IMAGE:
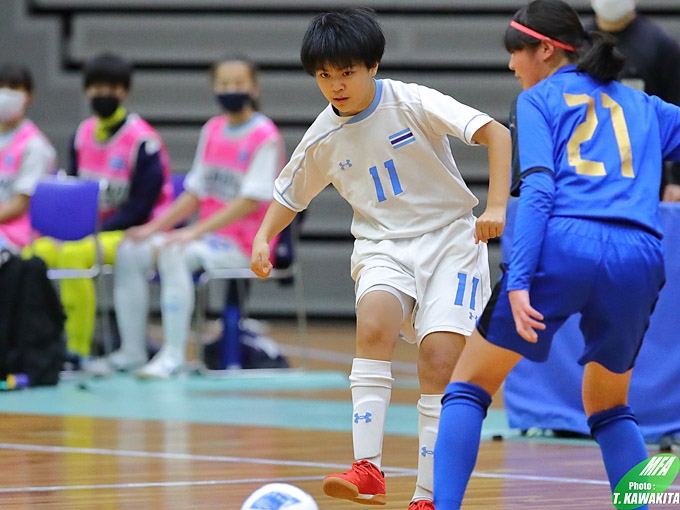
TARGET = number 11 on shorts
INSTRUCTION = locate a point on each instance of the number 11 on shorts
(460, 293)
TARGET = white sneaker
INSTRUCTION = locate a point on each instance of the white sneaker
(163, 366)
(118, 361)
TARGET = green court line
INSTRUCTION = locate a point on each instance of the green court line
(229, 400)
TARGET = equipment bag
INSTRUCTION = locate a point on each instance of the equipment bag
(32, 340)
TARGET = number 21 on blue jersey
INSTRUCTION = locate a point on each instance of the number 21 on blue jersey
(586, 129)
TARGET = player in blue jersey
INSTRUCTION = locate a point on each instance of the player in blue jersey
(420, 259)
(587, 239)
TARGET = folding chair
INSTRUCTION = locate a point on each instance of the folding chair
(177, 185)
(67, 209)
(286, 269)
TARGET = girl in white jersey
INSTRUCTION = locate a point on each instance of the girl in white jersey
(25, 156)
(418, 262)
(240, 152)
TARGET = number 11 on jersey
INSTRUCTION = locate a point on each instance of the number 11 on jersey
(394, 180)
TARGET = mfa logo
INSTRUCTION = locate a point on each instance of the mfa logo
(646, 483)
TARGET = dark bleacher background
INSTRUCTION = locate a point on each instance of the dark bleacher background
(454, 46)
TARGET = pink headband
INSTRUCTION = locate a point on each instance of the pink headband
(518, 26)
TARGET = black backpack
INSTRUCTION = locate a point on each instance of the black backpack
(32, 340)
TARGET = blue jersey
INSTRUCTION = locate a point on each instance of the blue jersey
(603, 142)
(587, 149)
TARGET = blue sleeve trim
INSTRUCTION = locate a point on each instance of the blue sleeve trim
(469, 140)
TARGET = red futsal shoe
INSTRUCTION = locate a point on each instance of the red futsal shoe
(363, 483)
(421, 504)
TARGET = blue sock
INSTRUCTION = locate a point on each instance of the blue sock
(617, 433)
(463, 410)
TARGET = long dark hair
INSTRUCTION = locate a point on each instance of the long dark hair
(595, 52)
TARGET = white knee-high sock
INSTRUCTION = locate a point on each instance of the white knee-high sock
(371, 386)
(177, 300)
(131, 294)
(429, 410)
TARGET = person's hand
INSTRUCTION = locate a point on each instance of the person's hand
(259, 260)
(139, 233)
(527, 319)
(180, 236)
(671, 193)
(490, 224)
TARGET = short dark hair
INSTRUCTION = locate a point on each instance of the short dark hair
(109, 69)
(342, 39)
(16, 76)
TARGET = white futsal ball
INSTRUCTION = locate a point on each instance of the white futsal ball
(279, 496)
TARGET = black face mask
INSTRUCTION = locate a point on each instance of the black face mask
(233, 102)
(104, 106)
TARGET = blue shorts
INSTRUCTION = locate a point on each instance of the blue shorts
(609, 273)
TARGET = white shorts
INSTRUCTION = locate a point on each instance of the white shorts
(444, 271)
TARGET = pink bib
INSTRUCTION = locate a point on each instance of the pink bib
(229, 159)
(17, 231)
(112, 162)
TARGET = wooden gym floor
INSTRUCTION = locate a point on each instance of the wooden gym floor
(208, 442)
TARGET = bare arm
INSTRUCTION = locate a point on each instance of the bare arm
(671, 193)
(179, 210)
(237, 209)
(496, 138)
(16, 207)
(277, 218)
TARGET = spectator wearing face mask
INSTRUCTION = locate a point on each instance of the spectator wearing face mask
(128, 158)
(239, 154)
(25, 156)
(652, 63)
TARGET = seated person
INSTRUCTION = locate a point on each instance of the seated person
(240, 152)
(128, 158)
(25, 156)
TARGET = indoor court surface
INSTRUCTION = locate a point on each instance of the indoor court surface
(208, 442)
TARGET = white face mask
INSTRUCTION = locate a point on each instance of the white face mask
(11, 104)
(612, 10)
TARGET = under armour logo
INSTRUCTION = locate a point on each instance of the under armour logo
(473, 316)
(347, 164)
(366, 417)
(425, 452)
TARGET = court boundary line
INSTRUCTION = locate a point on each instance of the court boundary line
(390, 472)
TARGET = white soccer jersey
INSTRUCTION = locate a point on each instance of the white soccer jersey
(39, 158)
(392, 162)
